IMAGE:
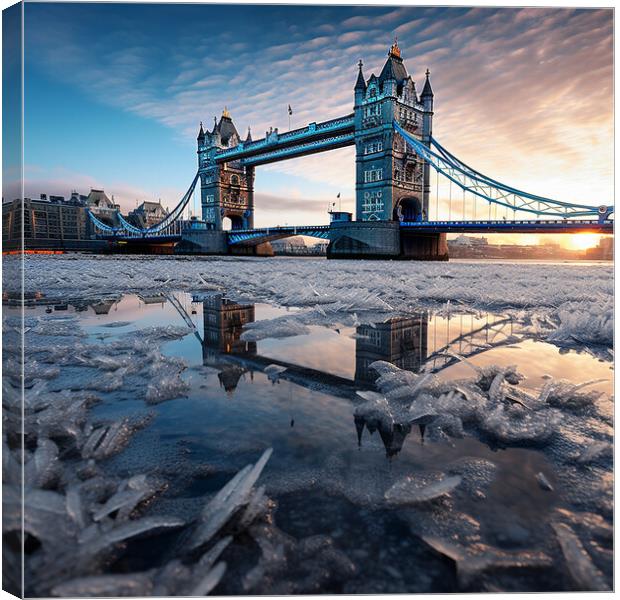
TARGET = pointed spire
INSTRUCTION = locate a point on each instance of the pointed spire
(360, 84)
(249, 136)
(214, 124)
(427, 91)
(225, 113)
(201, 133)
(394, 50)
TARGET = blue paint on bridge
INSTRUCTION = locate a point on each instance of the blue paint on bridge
(266, 234)
(504, 226)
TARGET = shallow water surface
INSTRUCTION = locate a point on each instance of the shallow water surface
(331, 469)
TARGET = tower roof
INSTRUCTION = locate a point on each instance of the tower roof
(226, 128)
(201, 133)
(360, 84)
(427, 91)
(394, 67)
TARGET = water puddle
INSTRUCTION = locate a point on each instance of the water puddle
(330, 467)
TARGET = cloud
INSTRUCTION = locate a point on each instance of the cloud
(522, 94)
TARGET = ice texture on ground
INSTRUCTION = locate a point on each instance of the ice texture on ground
(78, 519)
(555, 310)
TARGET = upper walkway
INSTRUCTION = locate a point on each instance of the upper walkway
(315, 137)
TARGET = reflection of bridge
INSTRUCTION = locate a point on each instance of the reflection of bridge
(391, 129)
(416, 343)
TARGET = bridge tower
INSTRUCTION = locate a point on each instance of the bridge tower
(392, 183)
(226, 190)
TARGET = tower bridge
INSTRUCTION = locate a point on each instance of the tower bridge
(391, 128)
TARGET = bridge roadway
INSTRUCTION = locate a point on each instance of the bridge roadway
(264, 234)
(257, 235)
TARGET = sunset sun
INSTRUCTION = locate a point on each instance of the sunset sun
(583, 241)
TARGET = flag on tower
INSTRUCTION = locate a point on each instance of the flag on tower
(338, 196)
(290, 110)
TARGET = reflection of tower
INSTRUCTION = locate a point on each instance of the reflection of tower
(402, 341)
(223, 323)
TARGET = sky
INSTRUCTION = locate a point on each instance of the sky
(114, 94)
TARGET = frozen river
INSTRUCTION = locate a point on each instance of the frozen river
(433, 427)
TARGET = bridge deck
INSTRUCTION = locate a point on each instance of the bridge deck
(240, 236)
(538, 226)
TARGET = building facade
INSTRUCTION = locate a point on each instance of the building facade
(47, 224)
(55, 223)
(147, 214)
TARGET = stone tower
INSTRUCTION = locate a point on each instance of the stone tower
(392, 182)
(226, 189)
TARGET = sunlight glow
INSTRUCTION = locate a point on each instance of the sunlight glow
(582, 241)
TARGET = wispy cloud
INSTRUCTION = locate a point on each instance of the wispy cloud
(523, 94)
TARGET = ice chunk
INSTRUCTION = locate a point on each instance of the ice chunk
(226, 502)
(543, 482)
(375, 410)
(139, 527)
(594, 451)
(471, 563)
(580, 566)
(43, 469)
(412, 490)
(274, 328)
(166, 387)
(211, 579)
(273, 372)
(133, 584)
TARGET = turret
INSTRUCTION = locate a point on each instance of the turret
(360, 85)
(427, 93)
(201, 135)
(249, 136)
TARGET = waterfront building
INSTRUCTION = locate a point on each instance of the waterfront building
(48, 223)
(147, 214)
(102, 207)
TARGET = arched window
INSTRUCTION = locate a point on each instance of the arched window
(234, 180)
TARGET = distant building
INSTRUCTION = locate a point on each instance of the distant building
(102, 207)
(47, 224)
(465, 240)
(604, 250)
(147, 214)
(292, 245)
(55, 223)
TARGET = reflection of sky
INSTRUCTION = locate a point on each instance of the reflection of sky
(513, 89)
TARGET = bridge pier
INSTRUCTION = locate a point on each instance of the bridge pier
(264, 249)
(423, 246)
(383, 240)
(202, 241)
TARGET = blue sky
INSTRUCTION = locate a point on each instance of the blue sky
(115, 93)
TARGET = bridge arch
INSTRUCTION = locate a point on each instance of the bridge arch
(407, 208)
(232, 221)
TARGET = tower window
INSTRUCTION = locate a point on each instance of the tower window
(374, 146)
(373, 175)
